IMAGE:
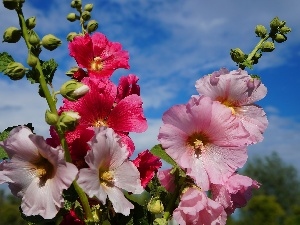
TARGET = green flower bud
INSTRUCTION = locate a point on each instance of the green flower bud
(71, 72)
(12, 35)
(12, 4)
(237, 55)
(86, 15)
(279, 38)
(275, 23)
(68, 120)
(285, 30)
(34, 39)
(92, 26)
(88, 7)
(155, 206)
(72, 17)
(50, 42)
(261, 31)
(267, 46)
(30, 22)
(51, 118)
(32, 60)
(256, 57)
(71, 36)
(15, 71)
(76, 4)
(73, 90)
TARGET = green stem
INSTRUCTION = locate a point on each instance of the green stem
(257, 47)
(52, 106)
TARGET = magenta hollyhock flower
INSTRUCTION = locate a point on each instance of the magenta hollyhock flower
(238, 91)
(127, 86)
(99, 108)
(109, 171)
(195, 208)
(147, 164)
(204, 138)
(166, 179)
(36, 172)
(98, 55)
(236, 192)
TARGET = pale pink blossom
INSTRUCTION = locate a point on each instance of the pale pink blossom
(166, 179)
(238, 91)
(36, 172)
(236, 192)
(204, 138)
(195, 208)
(109, 171)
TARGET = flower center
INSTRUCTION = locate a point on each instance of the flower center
(197, 142)
(106, 178)
(227, 103)
(100, 123)
(43, 169)
(96, 64)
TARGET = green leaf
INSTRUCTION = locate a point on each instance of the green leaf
(158, 151)
(49, 67)
(3, 136)
(5, 59)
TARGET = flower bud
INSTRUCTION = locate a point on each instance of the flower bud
(285, 30)
(267, 46)
(76, 4)
(279, 38)
(12, 4)
(73, 90)
(155, 206)
(12, 35)
(261, 31)
(237, 55)
(30, 22)
(71, 71)
(256, 57)
(51, 118)
(72, 17)
(32, 60)
(92, 26)
(50, 42)
(15, 71)
(88, 7)
(34, 39)
(71, 36)
(275, 23)
(69, 120)
(86, 15)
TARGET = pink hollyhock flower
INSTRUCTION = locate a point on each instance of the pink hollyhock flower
(109, 171)
(195, 208)
(236, 192)
(204, 138)
(238, 91)
(98, 55)
(127, 86)
(166, 179)
(147, 164)
(36, 172)
(98, 108)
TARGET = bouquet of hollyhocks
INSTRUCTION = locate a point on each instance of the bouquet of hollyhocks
(84, 173)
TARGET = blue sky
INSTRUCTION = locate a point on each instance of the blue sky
(171, 43)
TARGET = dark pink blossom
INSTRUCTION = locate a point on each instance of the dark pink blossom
(98, 55)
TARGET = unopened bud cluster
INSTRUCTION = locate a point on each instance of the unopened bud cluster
(83, 14)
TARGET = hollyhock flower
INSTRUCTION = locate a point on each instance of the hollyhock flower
(147, 164)
(36, 172)
(98, 55)
(98, 108)
(238, 91)
(109, 171)
(166, 179)
(204, 138)
(195, 208)
(236, 192)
